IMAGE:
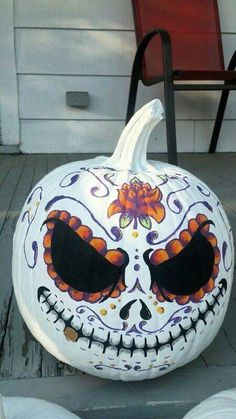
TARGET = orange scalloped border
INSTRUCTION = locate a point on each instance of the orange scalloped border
(113, 255)
(174, 247)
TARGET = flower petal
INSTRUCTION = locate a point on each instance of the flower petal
(156, 211)
(114, 208)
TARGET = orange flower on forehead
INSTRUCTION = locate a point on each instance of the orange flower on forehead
(137, 201)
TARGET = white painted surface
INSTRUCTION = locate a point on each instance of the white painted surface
(92, 137)
(227, 138)
(89, 46)
(227, 12)
(80, 14)
(61, 51)
(43, 97)
(8, 78)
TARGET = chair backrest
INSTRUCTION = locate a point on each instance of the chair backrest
(194, 28)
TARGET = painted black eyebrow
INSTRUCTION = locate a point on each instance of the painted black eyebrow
(79, 264)
(186, 272)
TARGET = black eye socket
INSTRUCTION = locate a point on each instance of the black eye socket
(188, 271)
(78, 264)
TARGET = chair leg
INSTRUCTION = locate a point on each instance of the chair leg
(218, 121)
(221, 110)
(132, 96)
(170, 122)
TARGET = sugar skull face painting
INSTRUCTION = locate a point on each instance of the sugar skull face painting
(123, 267)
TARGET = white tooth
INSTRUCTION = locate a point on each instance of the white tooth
(59, 306)
(200, 327)
(175, 331)
(210, 298)
(151, 353)
(139, 341)
(163, 338)
(100, 335)
(186, 323)
(66, 315)
(45, 307)
(46, 293)
(97, 348)
(52, 316)
(151, 341)
(127, 340)
(76, 323)
(190, 335)
(60, 324)
(111, 352)
(202, 306)
(209, 317)
(164, 351)
(178, 343)
(125, 354)
(138, 355)
(83, 343)
(223, 291)
(52, 299)
(195, 313)
(87, 329)
(114, 338)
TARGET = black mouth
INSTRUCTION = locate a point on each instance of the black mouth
(74, 334)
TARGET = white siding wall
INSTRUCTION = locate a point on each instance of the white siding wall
(88, 45)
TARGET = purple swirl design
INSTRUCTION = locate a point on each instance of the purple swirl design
(225, 244)
(114, 230)
(72, 178)
(108, 177)
(219, 206)
(204, 191)
(164, 178)
(175, 319)
(224, 251)
(26, 215)
(94, 316)
(153, 235)
(161, 367)
(102, 366)
(137, 368)
(40, 189)
(178, 206)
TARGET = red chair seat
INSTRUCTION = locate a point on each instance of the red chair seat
(205, 75)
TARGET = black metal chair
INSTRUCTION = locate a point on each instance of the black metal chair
(180, 40)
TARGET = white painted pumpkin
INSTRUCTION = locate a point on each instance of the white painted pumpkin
(123, 267)
(30, 408)
(220, 406)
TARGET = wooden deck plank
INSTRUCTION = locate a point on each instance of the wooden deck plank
(20, 354)
(8, 217)
(40, 169)
(170, 396)
(56, 160)
(9, 185)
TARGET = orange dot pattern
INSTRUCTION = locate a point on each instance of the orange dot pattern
(174, 247)
(113, 255)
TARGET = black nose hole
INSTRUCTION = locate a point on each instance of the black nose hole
(124, 312)
(145, 312)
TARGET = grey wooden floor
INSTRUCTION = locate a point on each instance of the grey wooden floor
(20, 355)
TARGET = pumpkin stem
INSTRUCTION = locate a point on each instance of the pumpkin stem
(131, 150)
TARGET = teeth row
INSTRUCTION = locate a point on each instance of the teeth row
(59, 315)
